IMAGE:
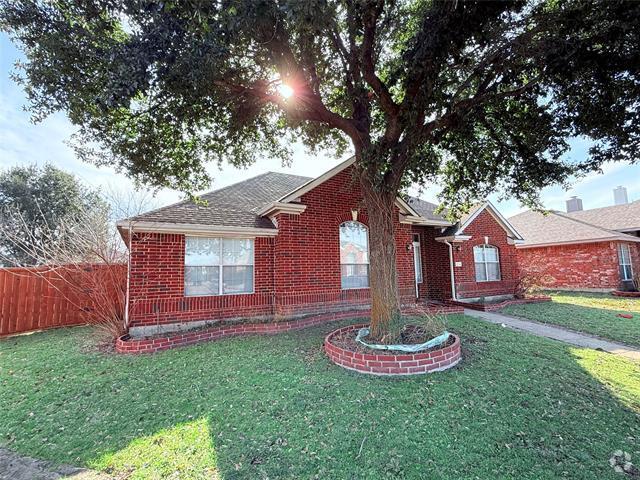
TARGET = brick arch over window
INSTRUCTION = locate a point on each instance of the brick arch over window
(348, 217)
(354, 254)
(486, 258)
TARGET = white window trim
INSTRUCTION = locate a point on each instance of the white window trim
(221, 267)
(420, 279)
(485, 262)
(368, 259)
(621, 260)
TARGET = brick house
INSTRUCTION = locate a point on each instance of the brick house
(281, 246)
(596, 249)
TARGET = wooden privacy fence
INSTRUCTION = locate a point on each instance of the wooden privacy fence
(35, 298)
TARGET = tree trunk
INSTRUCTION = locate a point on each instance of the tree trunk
(383, 276)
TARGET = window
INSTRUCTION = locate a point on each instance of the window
(218, 266)
(354, 255)
(487, 263)
(624, 257)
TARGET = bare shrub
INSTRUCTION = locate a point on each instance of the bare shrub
(530, 284)
(421, 326)
(84, 252)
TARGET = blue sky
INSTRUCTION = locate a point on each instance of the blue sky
(22, 142)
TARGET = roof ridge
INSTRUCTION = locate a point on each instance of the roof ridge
(606, 206)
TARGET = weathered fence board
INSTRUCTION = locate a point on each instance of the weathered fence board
(37, 298)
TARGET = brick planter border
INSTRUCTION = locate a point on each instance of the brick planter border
(401, 364)
(131, 345)
(622, 293)
(134, 345)
(492, 307)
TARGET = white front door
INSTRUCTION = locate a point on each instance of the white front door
(417, 262)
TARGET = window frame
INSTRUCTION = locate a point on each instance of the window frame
(220, 267)
(621, 263)
(366, 229)
(485, 263)
(418, 273)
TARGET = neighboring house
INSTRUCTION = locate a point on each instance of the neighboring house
(597, 249)
(280, 245)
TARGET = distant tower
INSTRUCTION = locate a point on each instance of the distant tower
(574, 204)
(620, 195)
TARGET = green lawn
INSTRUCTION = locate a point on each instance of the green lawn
(517, 406)
(595, 313)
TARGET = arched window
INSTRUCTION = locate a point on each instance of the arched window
(487, 263)
(354, 255)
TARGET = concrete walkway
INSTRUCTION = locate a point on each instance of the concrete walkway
(557, 333)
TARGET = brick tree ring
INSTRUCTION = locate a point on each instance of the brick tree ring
(391, 364)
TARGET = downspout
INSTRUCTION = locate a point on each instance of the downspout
(453, 276)
(127, 295)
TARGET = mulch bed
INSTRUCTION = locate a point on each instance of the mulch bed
(347, 341)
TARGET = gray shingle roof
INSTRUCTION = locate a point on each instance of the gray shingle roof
(558, 227)
(235, 205)
(617, 217)
(424, 208)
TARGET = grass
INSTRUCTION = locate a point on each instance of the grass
(518, 406)
(594, 313)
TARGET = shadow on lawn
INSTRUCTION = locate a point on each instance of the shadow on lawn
(518, 406)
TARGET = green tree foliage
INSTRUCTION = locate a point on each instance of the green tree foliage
(33, 202)
(478, 96)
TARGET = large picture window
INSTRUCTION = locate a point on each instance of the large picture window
(624, 258)
(354, 255)
(218, 266)
(487, 263)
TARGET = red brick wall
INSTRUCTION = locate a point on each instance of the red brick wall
(465, 276)
(588, 265)
(436, 274)
(298, 271)
(307, 249)
(157, 284)
(585, 265)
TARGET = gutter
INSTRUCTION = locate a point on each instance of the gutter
(198, 229)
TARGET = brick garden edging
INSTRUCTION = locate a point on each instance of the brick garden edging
(401, 364)
(128, 344)
(492, 307)
(132, 345)
(621, 293)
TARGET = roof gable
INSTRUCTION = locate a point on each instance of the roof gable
(487, 206)
(295, 195)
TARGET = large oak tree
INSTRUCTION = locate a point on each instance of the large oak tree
(478, 96)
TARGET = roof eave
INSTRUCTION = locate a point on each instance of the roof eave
(578, 242)
(279, 207)
(196, 229)
(422, 221)
(453, 238)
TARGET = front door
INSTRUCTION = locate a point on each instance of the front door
(417, 262)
